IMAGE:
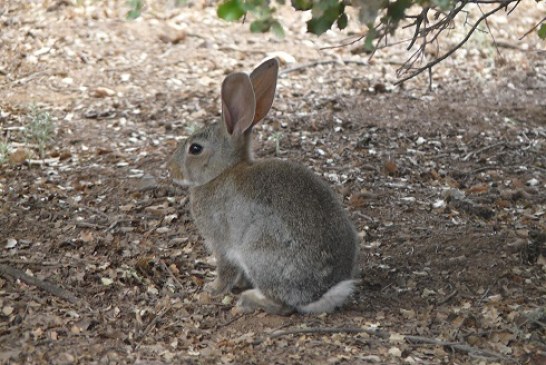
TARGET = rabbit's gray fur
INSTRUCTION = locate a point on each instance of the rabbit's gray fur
(272, 224)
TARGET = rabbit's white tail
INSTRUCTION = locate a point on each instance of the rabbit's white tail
(332, 299)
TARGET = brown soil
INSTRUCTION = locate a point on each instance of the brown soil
(447, 190)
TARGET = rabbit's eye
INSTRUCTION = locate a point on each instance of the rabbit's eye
(195, 149)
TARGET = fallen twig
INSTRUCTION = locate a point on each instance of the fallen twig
(6, 270)
(171, 274)
(448, 298)
(483, 169)
(325, 330)
(497, 167)
(83, 224)
(483, 149)
(234, 319)
(31, 262)
(159, 315)
(467, 349)
(455, 346)
(322, 62)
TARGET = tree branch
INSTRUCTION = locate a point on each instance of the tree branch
(457, 46)
(533, 28)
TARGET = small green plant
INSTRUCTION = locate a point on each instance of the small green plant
(135, 8)
(192, 127)
(4, 152)
(40, 130)
(277, 137)
(542, 31)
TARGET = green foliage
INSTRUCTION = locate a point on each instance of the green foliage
(368, 41)
(40, 129)
(443, 4)
(277, 138)
(542, 31)
(263, 14)
(368, 10)
(302, 5)
(135, 8)
(231, 10)
(4, 152)
(384, 14)
(376, 14)
(342, 21)
(277, 29)
(325, 13)
(397, 9)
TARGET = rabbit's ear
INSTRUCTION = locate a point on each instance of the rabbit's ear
(264, 82)
(238, 103)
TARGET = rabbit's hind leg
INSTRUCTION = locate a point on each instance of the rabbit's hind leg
(241, 284)
(253, 299)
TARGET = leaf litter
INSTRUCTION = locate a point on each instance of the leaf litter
(101, 262)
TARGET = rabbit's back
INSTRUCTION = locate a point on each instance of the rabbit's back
(282, 225)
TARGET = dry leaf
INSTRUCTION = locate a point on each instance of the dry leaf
(408, 314)
(397, 338)
(478, 189)
(395, 351)
(103, 92)
(174, 269)
(18, 156)
(11, 243)
(197, 280)
(173, 36)
(204, 298)
(87, 236)
(491, 316)
(7, 310)
(391, 167)
(357, 200)
(106, 281)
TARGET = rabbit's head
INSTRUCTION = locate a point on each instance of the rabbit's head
(210, 151)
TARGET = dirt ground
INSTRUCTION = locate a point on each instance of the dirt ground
(446, 188)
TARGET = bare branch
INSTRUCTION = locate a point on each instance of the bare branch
(431, 64)
(6, 270)
(319, 63)
(359, 38)
(514, 8)
(490, 32)
(420, 18)
(533, 28)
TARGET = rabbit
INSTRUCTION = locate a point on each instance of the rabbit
(274, 227)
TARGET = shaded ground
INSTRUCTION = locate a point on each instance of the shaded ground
(446, 189)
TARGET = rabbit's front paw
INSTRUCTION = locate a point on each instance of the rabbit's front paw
(215, 287)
